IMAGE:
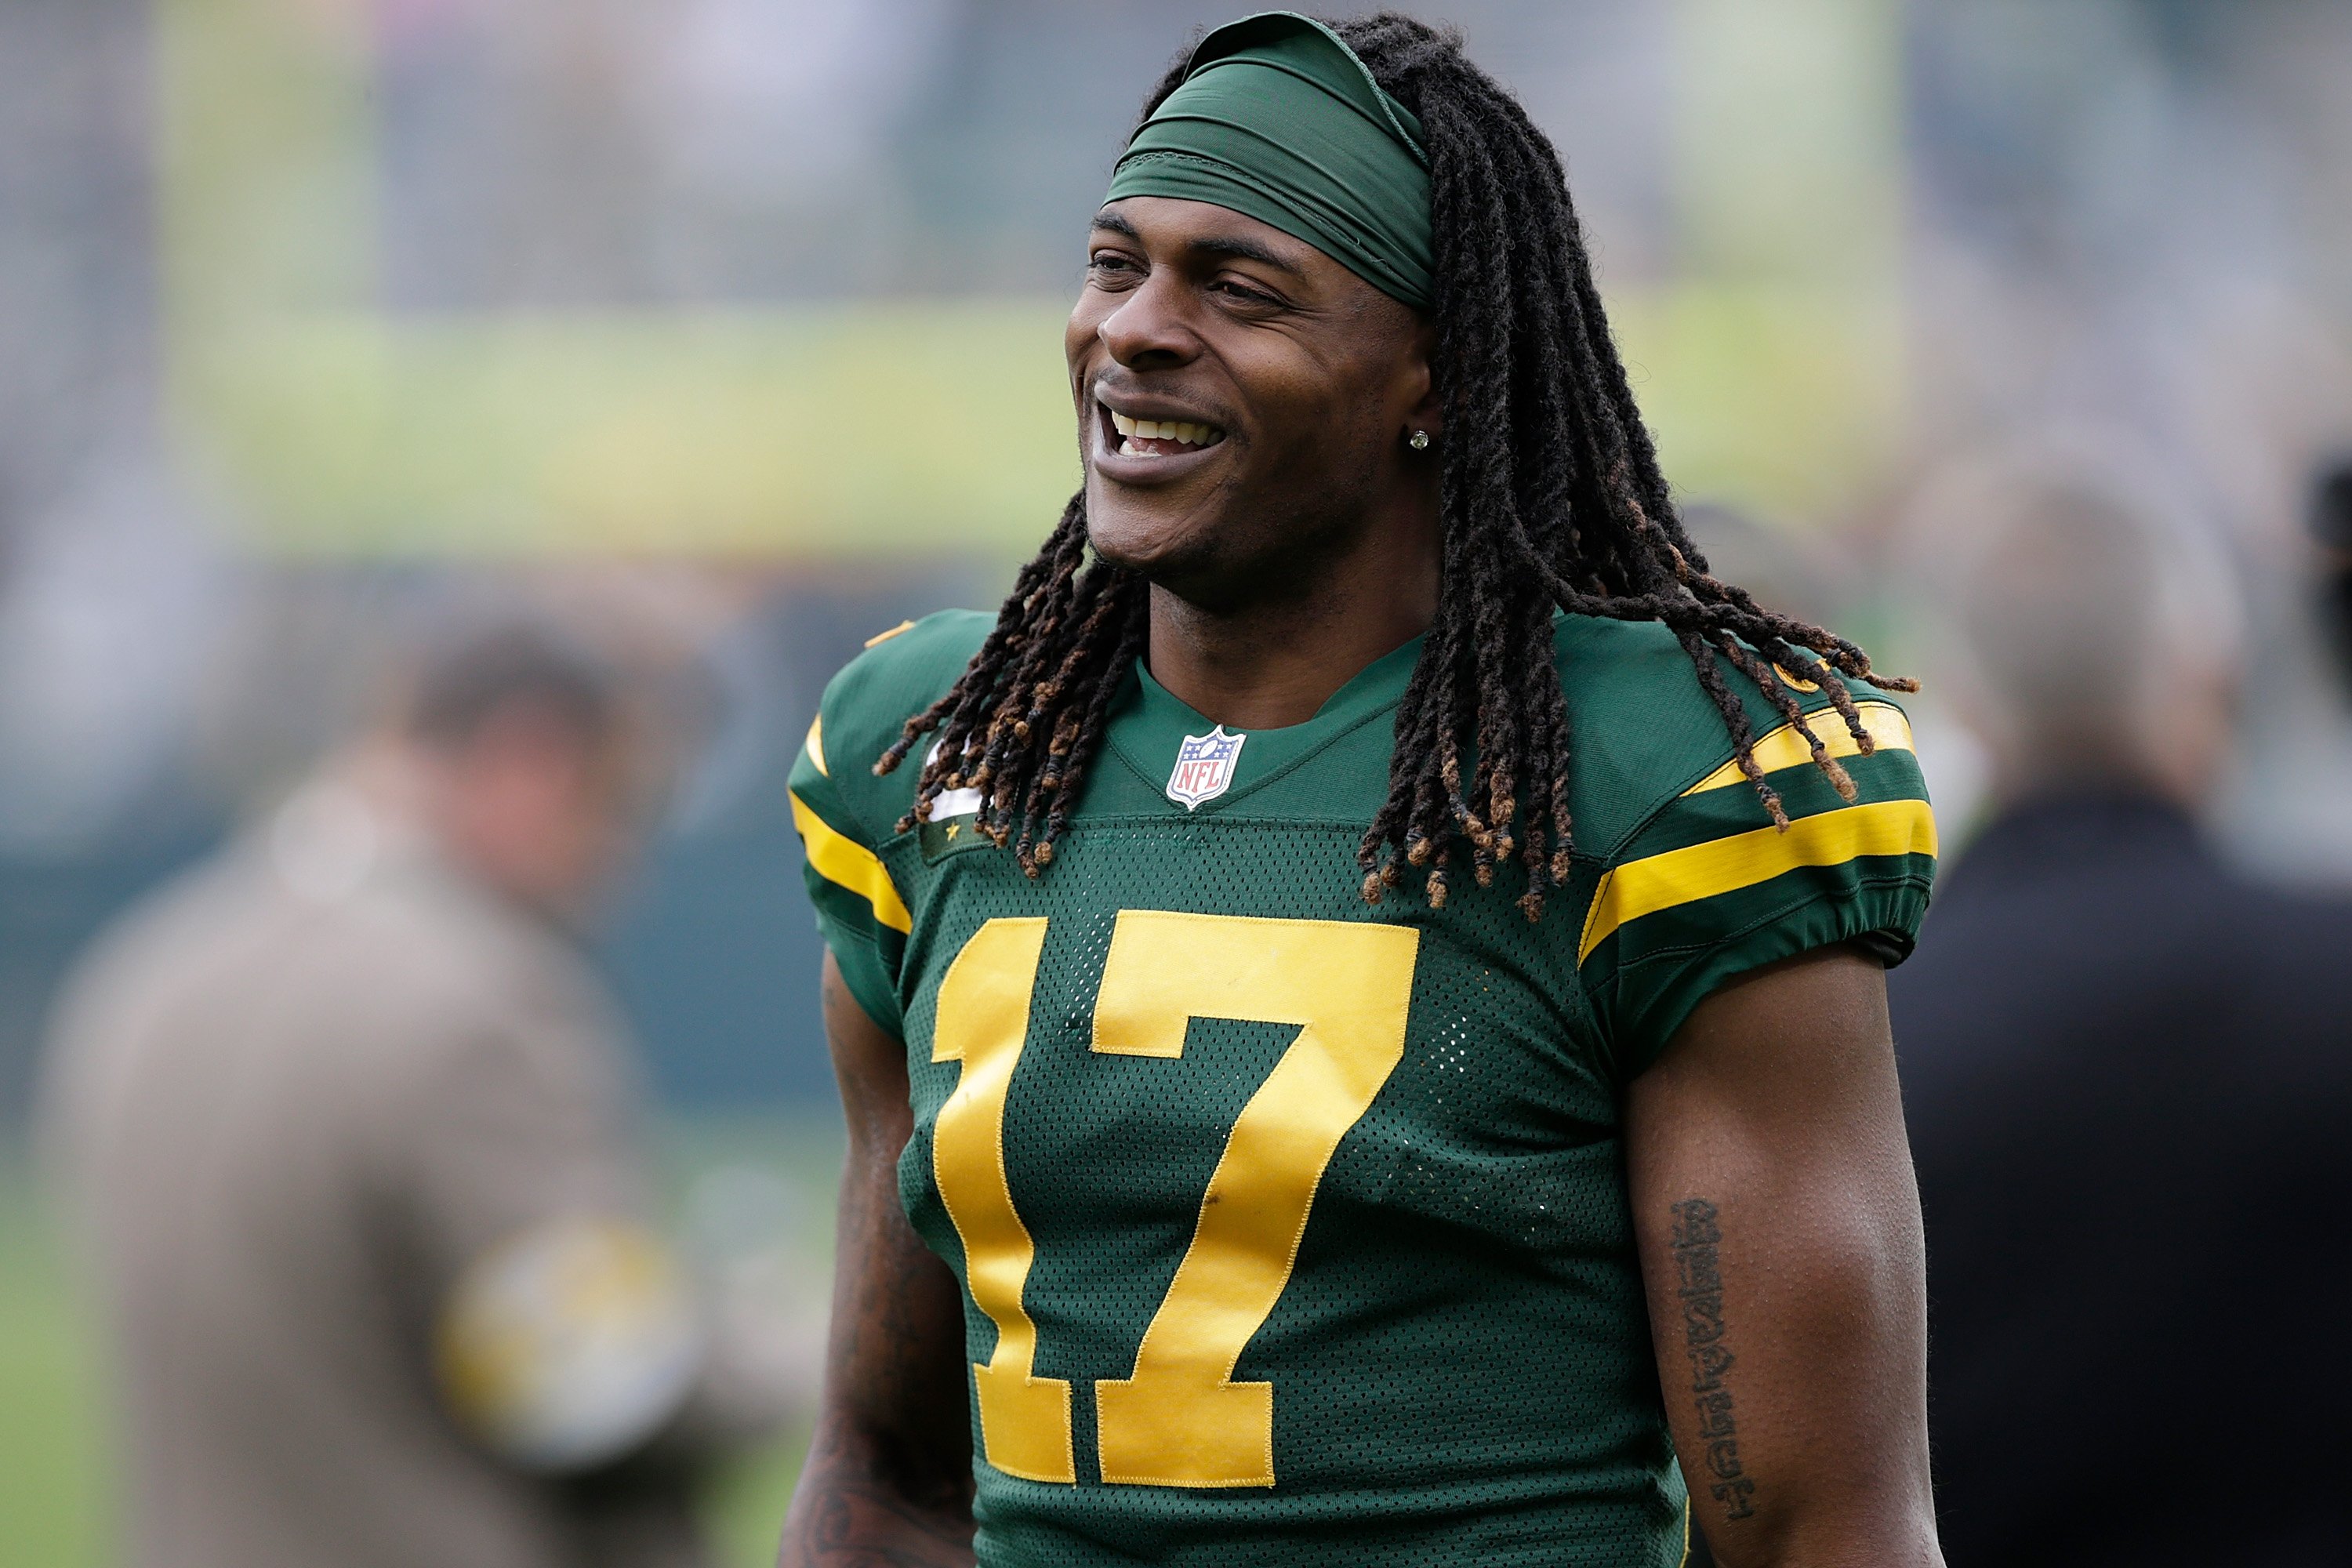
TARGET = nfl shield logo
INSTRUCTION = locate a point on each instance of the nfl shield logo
(1204, 767)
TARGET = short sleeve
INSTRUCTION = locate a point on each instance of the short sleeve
(1708, 887)
(864, 919)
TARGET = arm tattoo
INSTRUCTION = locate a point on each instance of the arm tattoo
(858, 1524)
(1697, 1235)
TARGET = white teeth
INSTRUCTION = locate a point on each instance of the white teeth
(1182, 431)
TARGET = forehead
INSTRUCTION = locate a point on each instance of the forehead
(1173, 225)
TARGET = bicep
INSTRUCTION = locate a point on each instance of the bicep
(1778, 1228)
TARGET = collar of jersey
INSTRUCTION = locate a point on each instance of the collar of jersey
(1149, 723)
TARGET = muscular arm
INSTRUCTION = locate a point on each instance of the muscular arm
(889, 1479)
(1778, 1225)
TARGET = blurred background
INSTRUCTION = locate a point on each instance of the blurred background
(729, 329)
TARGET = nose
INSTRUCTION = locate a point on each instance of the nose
(1149, 330)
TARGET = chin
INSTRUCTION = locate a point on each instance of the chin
(1143, 533)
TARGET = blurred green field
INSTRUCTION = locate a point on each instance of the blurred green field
(55, 1501)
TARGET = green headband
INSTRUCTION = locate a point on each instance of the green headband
(1278, 119)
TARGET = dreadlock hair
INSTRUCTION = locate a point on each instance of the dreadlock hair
(1550, 496)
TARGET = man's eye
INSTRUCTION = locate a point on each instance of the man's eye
(1244, 293)
(1110, 263)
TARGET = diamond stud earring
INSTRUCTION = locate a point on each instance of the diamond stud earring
(1420, 442)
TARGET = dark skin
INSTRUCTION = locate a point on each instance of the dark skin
(1283, 559)
(1304, 545)
(888, 1475)
(1777, 1103)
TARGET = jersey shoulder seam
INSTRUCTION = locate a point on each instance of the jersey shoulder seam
(889, 649)
(1680, 783)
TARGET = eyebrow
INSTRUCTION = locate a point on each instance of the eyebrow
(1212, 244)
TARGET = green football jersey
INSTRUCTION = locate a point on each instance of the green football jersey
(1293, 1230)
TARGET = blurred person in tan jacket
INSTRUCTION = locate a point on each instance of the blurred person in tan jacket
(347, 1130)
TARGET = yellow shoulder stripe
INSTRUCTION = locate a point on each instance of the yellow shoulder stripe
(885, 636)
(1787, 746)
(1719, 865)
(816, 745)
(845, 863)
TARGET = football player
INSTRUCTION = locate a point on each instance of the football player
(1359, 991)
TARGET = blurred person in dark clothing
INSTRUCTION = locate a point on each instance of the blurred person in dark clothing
(346, 1125)
(2128, 1073)
(2331, 530)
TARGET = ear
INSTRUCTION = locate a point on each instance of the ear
(1420, 361)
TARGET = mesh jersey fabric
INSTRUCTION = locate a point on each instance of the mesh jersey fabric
(1202, 1131)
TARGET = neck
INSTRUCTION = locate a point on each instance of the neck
(1266, 663)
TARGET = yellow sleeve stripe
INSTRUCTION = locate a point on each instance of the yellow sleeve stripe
(1787, 746)
(848, 864)
(1720, 865)
(880, 637)
(816, 744)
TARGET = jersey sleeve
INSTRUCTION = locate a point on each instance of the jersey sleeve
(1708, 887)
(864, 921)
(848, 819)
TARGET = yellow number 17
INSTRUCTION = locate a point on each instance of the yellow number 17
(1179, 1419)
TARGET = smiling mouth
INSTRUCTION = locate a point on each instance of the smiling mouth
(1159, 437)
